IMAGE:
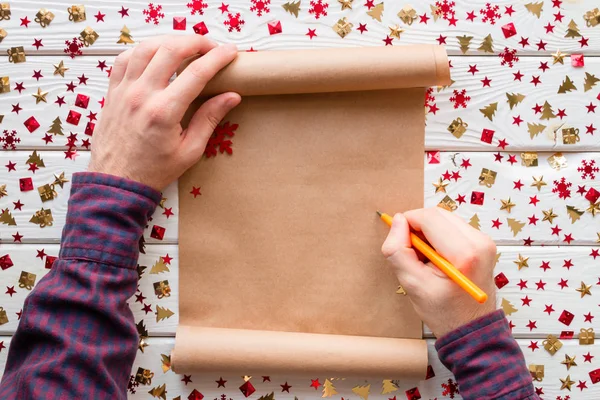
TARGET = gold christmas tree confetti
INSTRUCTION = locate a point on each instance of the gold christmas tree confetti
(376, 12)
(387, 386)
(6, 218)
(535, 129)
(557, 161)
(521, 262)
(464, 42)
(125, 37)
(515, 225)
(395, 31)
(159, 267)
(514, 98)
(474, 222)
(572, 30)
(508, 308)
(507, 205)
(328, 389)
(574, 214)
(569, 362)
(159, 392)
(163, 313)
(535, 8)
(270, 396)
(435, 12)
(589, 82)
(362, 391)
(440, 186)
(293, 7)
(40, 96)
(584, 289)
(489, 111)
(56, 127)
(566, 86)
(487, 45)
(60, 69)
(34, 158)
(549, 215)
(547, 112)
(558, 57)
(165, 361)
(346, 4)
(3, 191)
(538, 183)
(566, 383)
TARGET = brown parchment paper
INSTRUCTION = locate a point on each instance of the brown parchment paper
(280, 262)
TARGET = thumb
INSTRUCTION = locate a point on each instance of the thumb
(205, 120)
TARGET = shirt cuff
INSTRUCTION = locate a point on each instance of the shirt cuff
(106, 218)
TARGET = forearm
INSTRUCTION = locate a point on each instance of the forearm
(77, 337)
(486, 361)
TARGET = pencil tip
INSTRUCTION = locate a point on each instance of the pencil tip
(379, 213)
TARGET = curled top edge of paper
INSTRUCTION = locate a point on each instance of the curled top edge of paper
(331, 70)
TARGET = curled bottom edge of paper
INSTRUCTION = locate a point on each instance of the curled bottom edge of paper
(221, 350)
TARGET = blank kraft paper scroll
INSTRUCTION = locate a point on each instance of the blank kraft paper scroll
(280, 262)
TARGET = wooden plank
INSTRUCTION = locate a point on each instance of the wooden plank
(255, 32)
(534, 291)
(300, 387)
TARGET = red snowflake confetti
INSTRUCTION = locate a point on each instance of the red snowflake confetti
(588, 169)
(508, 56)
(197, 6)
(460, 99)
(234, 21)
(131, 387)
(153, 13)
(218, 142)
(490, 13)
(450, 389)
(563, 188)
(318, 8)
(9, 140)
(260, 6)
(445, 9)
(73, 47)
(430, 103)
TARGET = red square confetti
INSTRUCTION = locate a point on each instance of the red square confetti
(247, 389)
(477, 198)
(25, 184)
(430, 372)
(566, 317)
(49, 261)
(82, 101)
(433, 157)
(413, 394)
(567, 334)
(500, 280)
(274, 27)
(89, 128)
(577, 60)
(158, 232)
(595, 376)
(195, 395)
(487, 135)
(73, 117)
(31, 124)
(200, 28)
(5, 262)
(509, 30)
(592, 195)
(179, 23)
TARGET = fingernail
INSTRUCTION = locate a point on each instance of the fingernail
(233, 101)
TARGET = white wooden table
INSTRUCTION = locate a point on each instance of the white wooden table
(560, 251)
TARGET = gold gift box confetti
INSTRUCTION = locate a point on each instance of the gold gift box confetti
(448, 203)
(586, 336)
(89, 36)
(44, 17)
(144, 376)
(76, 13)
(557, 161)
(3, 316)
(162, 289)
(487, 177)
(43, 218)
(4, 11)
(537, 372)
(16, 54)
(592, 17)
(47, 192)
(26, 280)
(458, 127)
(552, 344)
(4, 84)
(529, 159)
(408, 14)
(3, 34)
(343, 27)
(570, 135)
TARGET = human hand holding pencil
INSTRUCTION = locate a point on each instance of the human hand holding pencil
(440, 302)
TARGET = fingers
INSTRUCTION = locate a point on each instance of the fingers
(120, 66)
(204, 122)
(188, 85)
(142, 54)
(169, 56)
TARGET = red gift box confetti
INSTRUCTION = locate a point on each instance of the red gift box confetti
(200, 28)
(25, 184)
(158, 232)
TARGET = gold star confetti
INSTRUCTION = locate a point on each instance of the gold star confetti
(60, 69)
(594, 209)
(549, 215)
(521, 262)
(569, 362)
(60, 180)
(162, 202)
(538, 182)
(40, 96)
(584, 289)
(507, 205)
(395, 31)
(558, 57)
(566, 383)
(440, 186)
(246, 378)
(3, 191)
(346, 4)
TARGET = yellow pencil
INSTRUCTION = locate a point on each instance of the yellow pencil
(444, 265)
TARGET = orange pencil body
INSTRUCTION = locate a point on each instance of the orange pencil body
(444, 265)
